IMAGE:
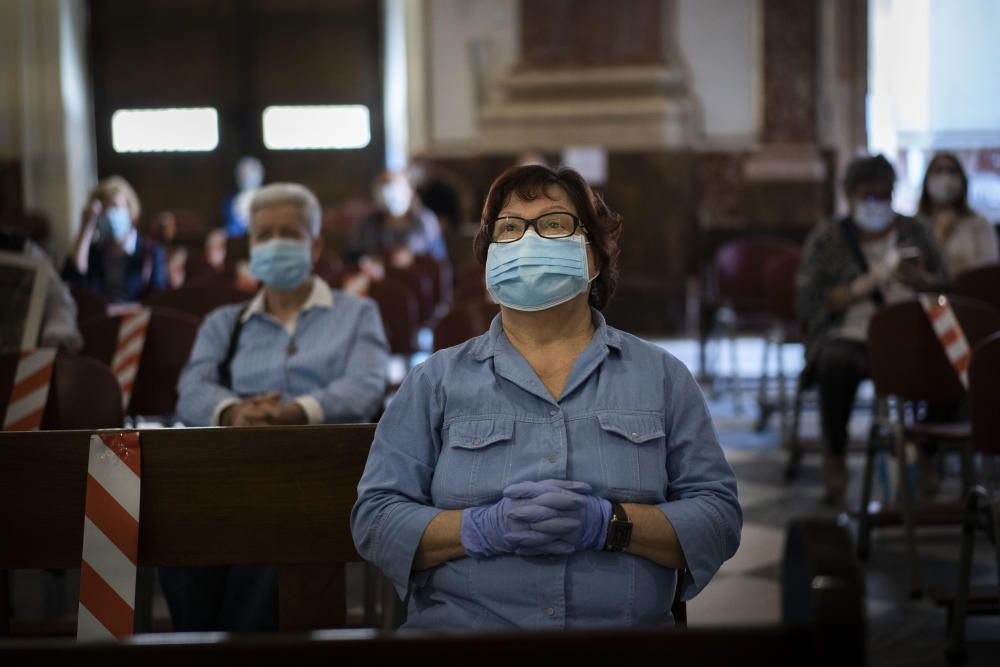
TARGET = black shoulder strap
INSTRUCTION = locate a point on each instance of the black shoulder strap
(854, 243)
(225, 370)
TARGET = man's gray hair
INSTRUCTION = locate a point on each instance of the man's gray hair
(280, 194)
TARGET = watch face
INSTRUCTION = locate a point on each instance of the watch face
(619, 535)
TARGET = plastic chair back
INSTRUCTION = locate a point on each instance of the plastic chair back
(89, 306)
(169, 340)
(984, 395)
(905, 357)
(982, 283)
(83, 393)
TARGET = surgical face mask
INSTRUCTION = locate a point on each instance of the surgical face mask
(118, 219)
(535, 273)
(944, 188)
(874, 215)
(281, 263)
(397, 197)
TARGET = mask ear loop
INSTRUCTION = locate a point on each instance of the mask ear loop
(596, 274)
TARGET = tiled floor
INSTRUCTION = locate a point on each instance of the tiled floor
(747, 589)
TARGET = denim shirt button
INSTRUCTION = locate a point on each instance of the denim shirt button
(553, 413)
(552, 459)
(478, 440)
(635, 436)
(550, 611)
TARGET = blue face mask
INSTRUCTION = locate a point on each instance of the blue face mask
(282, 264)
(118, 219)
(536, 273)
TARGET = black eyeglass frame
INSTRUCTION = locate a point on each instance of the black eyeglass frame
(532, 222)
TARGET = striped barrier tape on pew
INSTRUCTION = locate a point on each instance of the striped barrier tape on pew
(110, 537)
(949, 332)
(128, 352)
(30, 391)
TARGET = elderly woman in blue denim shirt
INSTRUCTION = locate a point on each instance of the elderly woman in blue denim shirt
(554, 472)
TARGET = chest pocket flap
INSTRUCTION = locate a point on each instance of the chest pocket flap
(633, 427)
(479, 433)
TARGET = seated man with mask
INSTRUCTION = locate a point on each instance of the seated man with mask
(850, 266)
(298, 352)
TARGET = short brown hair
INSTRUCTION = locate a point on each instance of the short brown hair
(603, 225)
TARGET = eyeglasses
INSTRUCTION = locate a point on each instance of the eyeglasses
(555, 225)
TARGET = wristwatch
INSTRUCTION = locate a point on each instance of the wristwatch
(619, 529)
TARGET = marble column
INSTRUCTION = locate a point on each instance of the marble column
(592, 72)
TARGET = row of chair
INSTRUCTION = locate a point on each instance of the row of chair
(192, 512)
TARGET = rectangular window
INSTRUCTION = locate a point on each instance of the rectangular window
(158, 130)
(316, 127)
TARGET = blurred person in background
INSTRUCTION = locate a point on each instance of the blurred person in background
(111, 257)
(966, 239)
(851, 266)
(59, 327)
(236, 207)
(400, 223)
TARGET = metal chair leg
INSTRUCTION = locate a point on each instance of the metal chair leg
(864, 519)
(955, 652)
(792, 439)
(906, 507)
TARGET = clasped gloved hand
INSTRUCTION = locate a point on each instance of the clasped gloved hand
(547, 518)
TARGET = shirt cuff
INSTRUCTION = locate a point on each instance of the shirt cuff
(694, 524)
(312, 408)
(219, 408)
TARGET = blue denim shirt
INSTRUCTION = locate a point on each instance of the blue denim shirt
(339, 361)
(472, 419)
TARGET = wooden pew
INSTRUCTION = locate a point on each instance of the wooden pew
(279, 496)
(283, 496)
(771, 646)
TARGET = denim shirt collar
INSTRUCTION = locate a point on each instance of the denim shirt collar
(509, 363)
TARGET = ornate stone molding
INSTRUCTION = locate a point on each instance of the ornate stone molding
(637, 98)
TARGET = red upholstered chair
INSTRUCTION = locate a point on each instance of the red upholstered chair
(465, 320)
(908, 364)
(982, 283)
(982, 505)
(419, 284)
(736, 301)
(441, 279)
(169, 339)
(400, 314)
(83, 393)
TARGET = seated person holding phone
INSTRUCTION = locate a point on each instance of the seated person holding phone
(851, 266)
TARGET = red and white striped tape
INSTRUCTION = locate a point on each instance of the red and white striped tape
(110, 537)
(949, 332)
(128, 352)
(30, 391)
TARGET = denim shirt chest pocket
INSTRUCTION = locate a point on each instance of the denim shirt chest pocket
(633, 456)
(475, 461)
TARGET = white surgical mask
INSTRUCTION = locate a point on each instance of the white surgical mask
(874, 215)
(944, 188)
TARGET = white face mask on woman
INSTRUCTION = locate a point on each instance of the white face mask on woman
(944, 188)
(873, 215)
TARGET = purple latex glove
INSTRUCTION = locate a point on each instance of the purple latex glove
(505, 526)
(574, 526)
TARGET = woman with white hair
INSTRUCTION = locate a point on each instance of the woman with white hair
(297, 353)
